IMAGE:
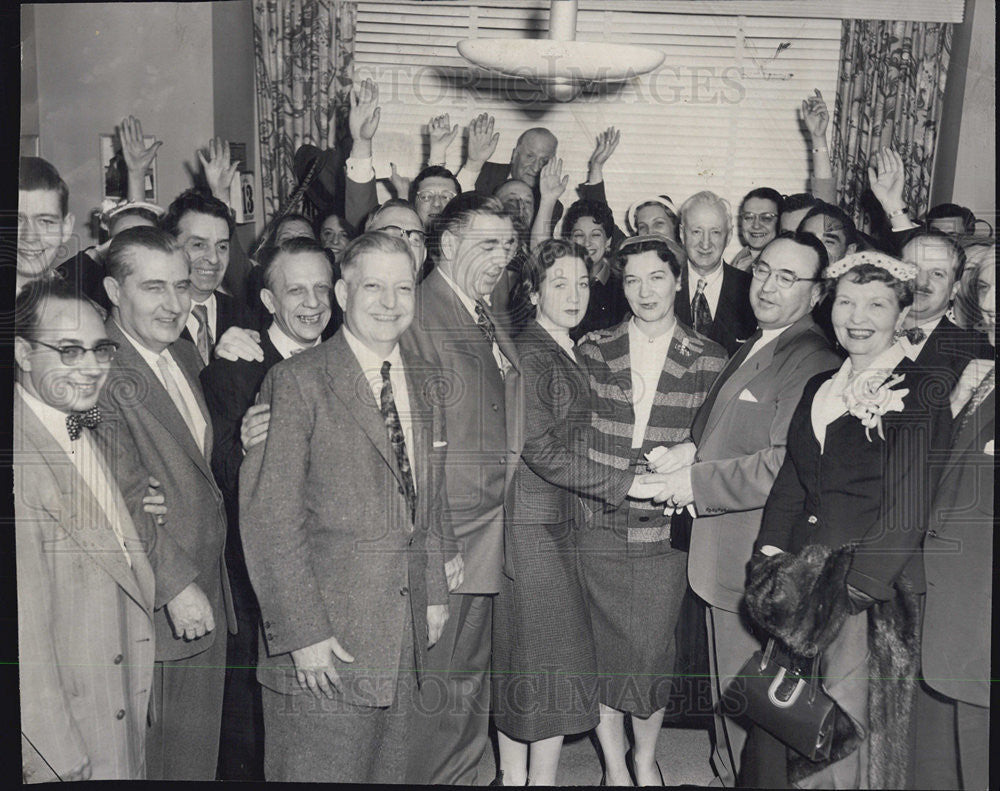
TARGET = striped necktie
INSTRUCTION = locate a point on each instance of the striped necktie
(204, 339)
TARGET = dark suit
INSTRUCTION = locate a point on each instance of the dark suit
(480, 463)
(948, 350)
(956, 643)
(188, 684)
(733, 320)
(230, 389)
(86, 275)
(341, 560)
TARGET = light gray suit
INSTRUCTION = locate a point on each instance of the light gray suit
(85, 618)
(741, 447)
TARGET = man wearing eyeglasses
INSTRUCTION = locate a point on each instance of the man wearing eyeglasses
(84, 583)
(155, 397)
(737, 447)
(431, 191)
(398, 217)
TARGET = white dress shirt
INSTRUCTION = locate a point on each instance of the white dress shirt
(766, 336)
(713, 286)
(151, 358)
(913, 349)
(829, 403)
(371, 366)
(470, 305)
(87, 460)
(647, 356)
(284, 345)
(213, 323)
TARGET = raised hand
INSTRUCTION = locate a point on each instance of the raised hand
(482, 139)
(551, 181)
(816, 116)
(138, 156)
(887, 177)
(605, 144)
(441, 134)
(399, 183)
(219, 171)
(365, 113)
(314, 669)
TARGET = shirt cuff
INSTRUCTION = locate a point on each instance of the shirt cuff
(360, 169)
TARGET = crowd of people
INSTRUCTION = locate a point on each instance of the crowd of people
(322, 512)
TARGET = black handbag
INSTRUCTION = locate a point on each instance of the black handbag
(788, 704)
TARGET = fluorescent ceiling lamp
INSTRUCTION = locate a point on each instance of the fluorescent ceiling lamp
(560, 65)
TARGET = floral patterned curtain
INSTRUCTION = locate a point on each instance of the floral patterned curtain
(889, 93)
(304, 52)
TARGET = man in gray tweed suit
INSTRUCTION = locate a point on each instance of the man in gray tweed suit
(340, 513)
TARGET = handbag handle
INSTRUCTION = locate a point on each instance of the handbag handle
(813, 682)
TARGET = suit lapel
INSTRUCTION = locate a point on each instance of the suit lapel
(98, 541)
(420, 425)
(190, 362)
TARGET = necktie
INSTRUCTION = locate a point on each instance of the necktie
(204, 339)
(77, 421)
(485, 323)
(174, 391)
(393, 426)
(982, 390)
(701, 419)
(700, 314)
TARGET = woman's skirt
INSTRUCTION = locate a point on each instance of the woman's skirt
(543, 679)
(634, 594)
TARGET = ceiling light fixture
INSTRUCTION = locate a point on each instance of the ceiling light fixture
(560, 65)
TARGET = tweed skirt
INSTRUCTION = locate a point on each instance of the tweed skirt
(544, 670)
(634, 593)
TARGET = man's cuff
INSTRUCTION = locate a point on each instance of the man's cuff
(360, 169)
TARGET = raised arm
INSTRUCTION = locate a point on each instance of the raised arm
(138, 156)
(482, 143)
(816, 117)
(887, 177)
(441, 134)
(359, 188)
(219, 170)
(551, 184)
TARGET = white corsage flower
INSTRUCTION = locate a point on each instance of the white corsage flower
(870, 396)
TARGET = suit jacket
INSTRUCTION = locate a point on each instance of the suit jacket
(493, 174)
(188, 547)
(948, 350)
(733, 320)
(229, 312)
(483, 434)
(741, 447)
(85, 618)
(958, 560)
(872, 492)
(690, 367)
(341, 559)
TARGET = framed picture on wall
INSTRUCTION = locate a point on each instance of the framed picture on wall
(114, 174)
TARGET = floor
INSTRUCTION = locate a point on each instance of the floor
(681, 752)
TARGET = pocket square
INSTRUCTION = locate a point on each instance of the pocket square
(988, 448)
(746, 395)
(438, 443)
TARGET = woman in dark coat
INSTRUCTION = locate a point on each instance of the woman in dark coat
(838, 569)
(544, 683)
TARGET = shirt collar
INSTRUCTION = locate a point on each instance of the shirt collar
(886, 361)
(710, 280)
(147, 354)
(368, 359)
(470, 304)
(53, 419)
(209, 303)
(286, 346)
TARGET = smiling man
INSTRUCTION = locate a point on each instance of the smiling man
(297, 292)
(154, 395)
(454, 328)
(714, 297)
(737, 447)
(340, 509)
(202, 226)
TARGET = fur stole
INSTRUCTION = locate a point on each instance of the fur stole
(801, 599)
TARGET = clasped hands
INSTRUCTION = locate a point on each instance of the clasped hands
(670, 479)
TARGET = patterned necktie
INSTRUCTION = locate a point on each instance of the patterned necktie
(700, 314)
(77, 421)
(485, 323)
(204, 339)
(983, 389)
(387, 405)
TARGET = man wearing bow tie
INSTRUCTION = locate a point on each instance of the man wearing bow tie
(84, 584)
(455, 330)
(738, 445)
(155, 397)
(340, 508)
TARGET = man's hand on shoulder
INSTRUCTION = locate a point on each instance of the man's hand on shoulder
(237, 343)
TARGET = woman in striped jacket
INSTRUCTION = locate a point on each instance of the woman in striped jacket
(648, 377)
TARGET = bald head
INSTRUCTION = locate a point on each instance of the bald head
(534, 148)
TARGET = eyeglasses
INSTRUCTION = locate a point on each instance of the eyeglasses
(766, 217)
(426, 196)
(782, 277)
(412, 235)
(73, 355)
